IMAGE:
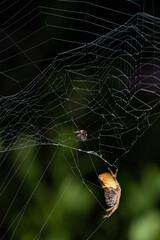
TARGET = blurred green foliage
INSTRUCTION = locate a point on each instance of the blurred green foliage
(53, 193)
(54, 201)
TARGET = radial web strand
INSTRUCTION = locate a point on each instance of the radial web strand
(69, 66)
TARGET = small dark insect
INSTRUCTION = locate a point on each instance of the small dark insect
(112, 191)
(81, 134)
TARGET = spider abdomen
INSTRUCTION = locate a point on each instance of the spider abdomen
(110, 196)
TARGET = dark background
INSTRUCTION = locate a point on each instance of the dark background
(43, 192)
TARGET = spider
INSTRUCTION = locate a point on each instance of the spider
(112, 191)
(81, 134)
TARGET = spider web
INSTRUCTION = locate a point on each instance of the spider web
(74, 65)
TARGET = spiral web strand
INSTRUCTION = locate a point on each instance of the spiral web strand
(66, 66)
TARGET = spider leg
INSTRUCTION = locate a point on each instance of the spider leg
(108, 209)
(111, 171)
(116, 172)
(108, 213)
(113, 174)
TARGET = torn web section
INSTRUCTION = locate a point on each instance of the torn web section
(95, 87)
(134, 88)
(38, 94)
(114, 96)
